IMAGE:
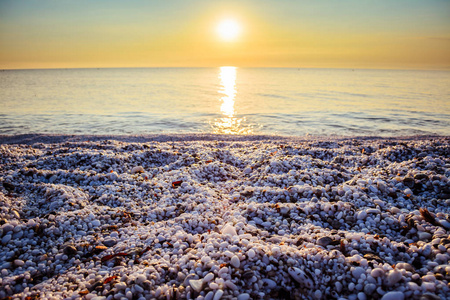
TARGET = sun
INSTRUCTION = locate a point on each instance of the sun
(228, 29)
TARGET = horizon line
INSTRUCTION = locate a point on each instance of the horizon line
(447, 68)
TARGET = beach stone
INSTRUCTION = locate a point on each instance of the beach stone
(324, 241)
(109, 242)
(120, 285)
(208, 277)
(7, 227)
(251, 253)
(445, 224)
(369, 289)
(393, 277)
(424, 236)
(429, 286)
(19, 262)
(17, 235)
(138, 288)
(373, 211)
(371, 256)
(6, 239)
(140, 279)
(16, 214)
(70, 250)
(362, 215)
(362, 296)
(137, 169)
(421, 176)
(209, 296)
(377, 272)
(381, 186)
(196, 284)
(229, 229)
(218, 295)
(300, 276)
(189, 278)
(235, 262)
(409, 182)
(393, 296)
(357, 272)
(243, 296)
(96, 223)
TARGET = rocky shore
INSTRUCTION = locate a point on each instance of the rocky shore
(220, 217)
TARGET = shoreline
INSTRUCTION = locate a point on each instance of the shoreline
(162, 137)
(224, 217)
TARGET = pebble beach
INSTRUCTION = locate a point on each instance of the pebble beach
(224, 217)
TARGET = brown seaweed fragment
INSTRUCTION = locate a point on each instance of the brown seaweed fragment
(427, 216)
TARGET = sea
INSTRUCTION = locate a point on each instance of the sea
(225, 100)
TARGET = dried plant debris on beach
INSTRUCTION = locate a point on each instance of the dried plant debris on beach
(232, 219)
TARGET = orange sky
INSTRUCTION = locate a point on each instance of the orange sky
(338, 34)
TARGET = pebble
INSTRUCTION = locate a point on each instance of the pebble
(137, 169)
(361, 215)
(229, 229)
(393, 296)
(423, 236)
(251, 254)
(357, 272)
(196, 285)
(218, 295)
(208, 277)
(70, 250)
(243, 296)
(369, 289)
(19, 262)
(109, 242)
(6, 239)
(324, 241)
(393, 277)
(235, 262)
(7, 227)
(300, 277)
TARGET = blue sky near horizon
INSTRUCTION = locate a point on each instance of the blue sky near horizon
(287, 33)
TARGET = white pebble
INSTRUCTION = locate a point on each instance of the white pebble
(229, 229)
(137, 169)
(251, 253)
(393, 277)
(235, 262)
(377, 272)
(196, 285)
(300, 277)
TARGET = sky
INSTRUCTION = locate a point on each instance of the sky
(384, 34)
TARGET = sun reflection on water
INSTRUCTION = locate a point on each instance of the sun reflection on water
(229, 123)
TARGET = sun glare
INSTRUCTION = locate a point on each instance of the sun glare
(229, 29)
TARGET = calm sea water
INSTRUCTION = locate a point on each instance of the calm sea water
(225, 100)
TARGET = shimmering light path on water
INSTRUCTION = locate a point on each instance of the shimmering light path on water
(225, 100)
